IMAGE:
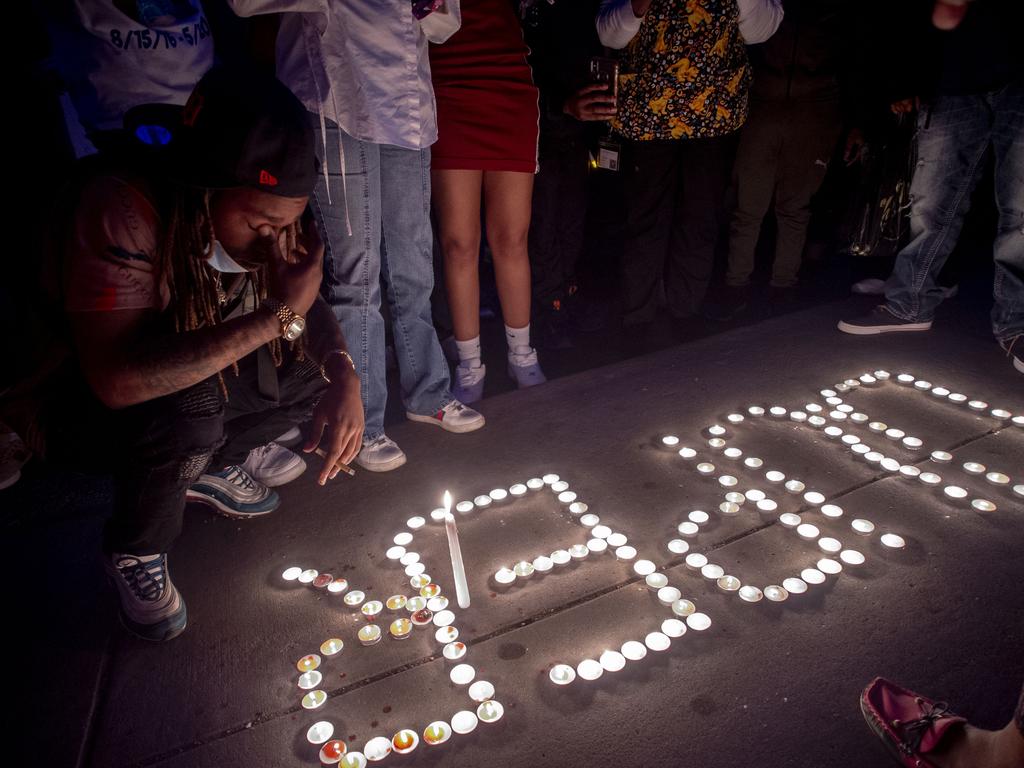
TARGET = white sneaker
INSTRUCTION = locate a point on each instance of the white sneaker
(272, 465)
(872, 286)
(381, 455)
(469, 383)
(455, 417)
(289, 438)
(525, 370)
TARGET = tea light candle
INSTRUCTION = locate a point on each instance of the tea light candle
(1019, 489)
(462, 674)
(775, 593)
(695, 561)
(882, 375)
(308, 576)
(561, 557)
(712, 572)
(956, 397)
(424, 616)
(308, 663)
(534, 483)
(517, 490)
(314, 700)
(687, 453)
(416, 603)
(895, 434)
(612, 661)
(794, 585)
(377, 749)
(589, 669)
(683, 608)
(320, 732)
(332, 646)
(774, 476)
(418, 582)
(369, 634)
(922, 385)
(905, 378)
(644, 567)
(929, 478)
(291, 574)
(464, 722)
(850, 439)
(767, 505)
(729, 508)
(940, 392)
(890, 465)
(863, 527)
(589, 520)
(562, 674)
(698, 622)
(941, 457)
(578, 508)
(1001, 413)
(909, 470)
(454, 651)
(542, 564)
(798, 416)
(812, 576)
(1018, 420)
(395, 553)
(807, 531)
(698, 516)
(438, 732)
(396, 602)
(310, 680)
(755, 410)
(705, 468)
(678, 547)
(372, 609)
(837, 416)
(633, 650)
(977, 405)
(893, 541)
(754, 494)
(490, 711)
(750, 594)
(601, 531)
(974, 468)
(323, 580)
(578, 551)
(834, 432)
(482, 501)
(716, 443)
(566, 497)
(688, 529)
(523, 569)
(913, 443)
(997, 478)
(668, 595)
(729, 584)
(626, 552)
(465, 507)
(873, 457)
(777, 411)
(790, 519)
(550, 479)
(851, 557)
(795, 486)
(983, 505)
(831, 510)
(833, 401)
(445, 635)
(560, 487)
(443, 618)
(814, 498)
(409, 558)
(405, 741)
(657, 641)
(727, 481)
(654, 580)
(829, 545)
(753, 462)
(734, 418)
(597, 545)
(732, 453)
(415, 569)
(437, 515)
(955, 492)
(334, 752)
(829, 566)
(400, 629)
(670, 441)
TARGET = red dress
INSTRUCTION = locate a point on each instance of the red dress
(487, 113)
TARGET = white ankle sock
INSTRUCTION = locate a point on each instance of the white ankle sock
(469, 352)
(518, 340)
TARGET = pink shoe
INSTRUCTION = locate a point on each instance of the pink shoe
(910, 726)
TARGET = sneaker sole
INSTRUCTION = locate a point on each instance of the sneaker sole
(456, 428)
(171, 633)
(874, 330)
(521, 385)
(221, 508)
(283, 478)
(386, 466)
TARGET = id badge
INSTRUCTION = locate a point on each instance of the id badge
(608, 155)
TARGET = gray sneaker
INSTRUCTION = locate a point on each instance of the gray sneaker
(381, 455)
(151, 606)
(232, 492)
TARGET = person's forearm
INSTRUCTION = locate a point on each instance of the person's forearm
(167, 364)
(325, 334)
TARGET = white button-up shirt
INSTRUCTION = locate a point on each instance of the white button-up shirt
(361, 63)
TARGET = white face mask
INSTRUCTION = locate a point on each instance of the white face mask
(218, 258)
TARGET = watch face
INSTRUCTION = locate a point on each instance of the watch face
(295, 329)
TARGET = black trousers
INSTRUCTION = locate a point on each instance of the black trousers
(157, 449)
(675, 195)
(559, 213)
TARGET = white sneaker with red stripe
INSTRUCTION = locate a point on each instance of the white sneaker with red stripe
(455, 417)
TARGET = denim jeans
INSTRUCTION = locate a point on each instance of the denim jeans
(954, 134)
(388, 199)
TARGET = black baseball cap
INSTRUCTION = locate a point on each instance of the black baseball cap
(245, 129)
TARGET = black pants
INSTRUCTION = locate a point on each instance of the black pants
(558, 216)
(675, 194)
(156, 450)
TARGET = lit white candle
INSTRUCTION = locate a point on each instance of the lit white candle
(458, 568)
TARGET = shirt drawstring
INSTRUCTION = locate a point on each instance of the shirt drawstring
(310, 36)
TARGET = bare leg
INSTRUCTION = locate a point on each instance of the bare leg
(456, 202)
(972, 747)
(508, 197)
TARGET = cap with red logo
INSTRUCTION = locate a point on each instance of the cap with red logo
(241, 129)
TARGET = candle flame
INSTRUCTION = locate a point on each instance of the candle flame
(447, 502)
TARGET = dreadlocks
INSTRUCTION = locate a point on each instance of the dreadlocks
(193, 285)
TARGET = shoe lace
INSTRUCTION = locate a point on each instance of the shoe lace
(240, 478)
(915, 730)
(145, 579)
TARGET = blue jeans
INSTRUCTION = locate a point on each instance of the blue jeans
(388, 197)
(953, 137)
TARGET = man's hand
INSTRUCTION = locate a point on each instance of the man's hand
(591, 102)
(294, 278)
(905, 106)
(337, 425)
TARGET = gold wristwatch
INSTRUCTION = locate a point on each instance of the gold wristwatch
(292, 323)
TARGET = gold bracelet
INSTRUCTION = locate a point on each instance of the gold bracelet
(342, 352)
